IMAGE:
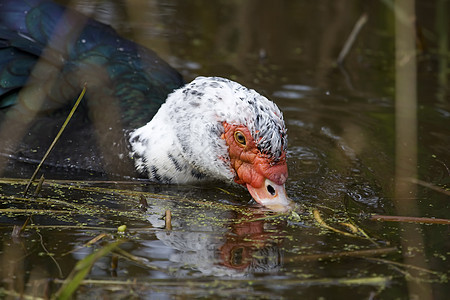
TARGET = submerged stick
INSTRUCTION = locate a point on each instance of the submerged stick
(430, 186)
(75, 106)
(351, 39)
(49, 254)
(403, 265)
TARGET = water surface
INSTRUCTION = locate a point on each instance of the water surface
(341, 158)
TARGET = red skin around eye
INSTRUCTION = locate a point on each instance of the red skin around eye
(251, 166)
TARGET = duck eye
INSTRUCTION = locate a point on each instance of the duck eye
(240, 138)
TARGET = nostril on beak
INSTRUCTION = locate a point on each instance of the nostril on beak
(271, 190)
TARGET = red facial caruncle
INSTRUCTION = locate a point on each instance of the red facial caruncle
(263, 175)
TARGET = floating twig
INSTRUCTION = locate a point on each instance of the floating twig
(87, 186)
(75, 106)
(16, 295)
(89, 243)
(226, 192)
(322, 223)
(36, 211)
(114, 265)
(410, 219)
(143, 204)
(344, 281)
(356, 253)
(168, 220)
(39, 186)
(17, 230)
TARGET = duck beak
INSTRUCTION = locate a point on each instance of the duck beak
(272, 196)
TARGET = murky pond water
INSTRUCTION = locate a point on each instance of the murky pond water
(341, 156)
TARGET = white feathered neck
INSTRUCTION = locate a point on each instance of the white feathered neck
(183, 143)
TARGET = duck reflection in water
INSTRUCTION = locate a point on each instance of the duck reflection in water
(245, 243)
(252, 244)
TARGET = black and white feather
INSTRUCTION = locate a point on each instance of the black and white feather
(183, 143)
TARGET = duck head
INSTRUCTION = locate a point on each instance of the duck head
(216, 129)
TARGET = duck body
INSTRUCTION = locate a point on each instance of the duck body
(47, 54)
(210, 129)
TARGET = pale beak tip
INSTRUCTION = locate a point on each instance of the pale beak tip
(272, 196)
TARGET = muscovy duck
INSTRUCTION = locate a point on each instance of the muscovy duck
(209, 129)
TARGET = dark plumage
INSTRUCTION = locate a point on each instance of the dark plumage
(126, 83)
(69, 42)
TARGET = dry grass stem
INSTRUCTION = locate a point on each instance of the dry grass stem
(75, 106)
